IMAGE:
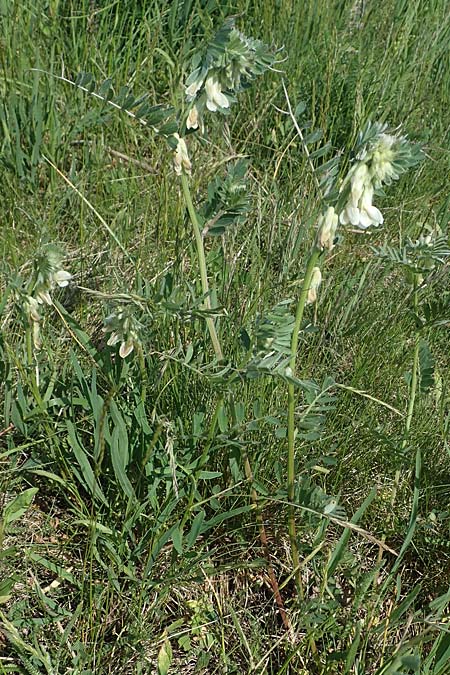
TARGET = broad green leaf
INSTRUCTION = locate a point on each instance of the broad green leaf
(119, 451)
(6, 587)
(177, 540)
(87, 474)
(195, 530)
(442, 654)
(164, 657)
(18, 506)
(53, 567)
(343, 541)
(222, 419)
(426, 362)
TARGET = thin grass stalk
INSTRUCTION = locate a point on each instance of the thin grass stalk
(202, 265)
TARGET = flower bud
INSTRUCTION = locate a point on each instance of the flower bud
(326, 232)
(316, 280)
(192, 119)
(214, 97)
(181, 158)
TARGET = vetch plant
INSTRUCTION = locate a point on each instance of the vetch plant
(124, 439)
(123, 328)
(381, 158)
(34, 294)
(227, 66)
(218, 73)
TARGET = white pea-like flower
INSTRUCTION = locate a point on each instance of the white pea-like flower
(31, 306)
(126, 346)
(326, 231)
(316, 280)
(61, 278)
(57, 277)
(194, 88)
(215, 98)
(192, 118)
(123, 328)
(359, 210)
(368, 213)
(43, 296)
(181, 159)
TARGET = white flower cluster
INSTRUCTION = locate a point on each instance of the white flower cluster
(326, 229)
(215, 98)
(375, 167)
(124, 329)
(227, 66)
(57, 277)
(47, 275)
(359, 210)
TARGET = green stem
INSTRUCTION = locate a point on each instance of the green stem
(31, 363)
(291, 417)
(143, 370)
(202, 265)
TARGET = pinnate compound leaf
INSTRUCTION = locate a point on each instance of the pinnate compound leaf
(426, 362)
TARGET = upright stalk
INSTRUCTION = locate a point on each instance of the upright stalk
(31, 363)
(219, 355)
(202, 265)
(291, 417)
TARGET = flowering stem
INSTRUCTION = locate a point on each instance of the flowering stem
(142, 368)
(291, 416)
(202, 265)
(31, 363)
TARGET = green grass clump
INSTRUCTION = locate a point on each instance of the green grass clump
(145, 521)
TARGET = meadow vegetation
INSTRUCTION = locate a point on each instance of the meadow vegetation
(224, 445)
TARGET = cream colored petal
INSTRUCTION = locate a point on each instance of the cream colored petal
(126, 348)
(113, 340)
(192, 119)
(353, 214)
(43, 297)
(364, 221)
(193, 88)
(62, 278)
